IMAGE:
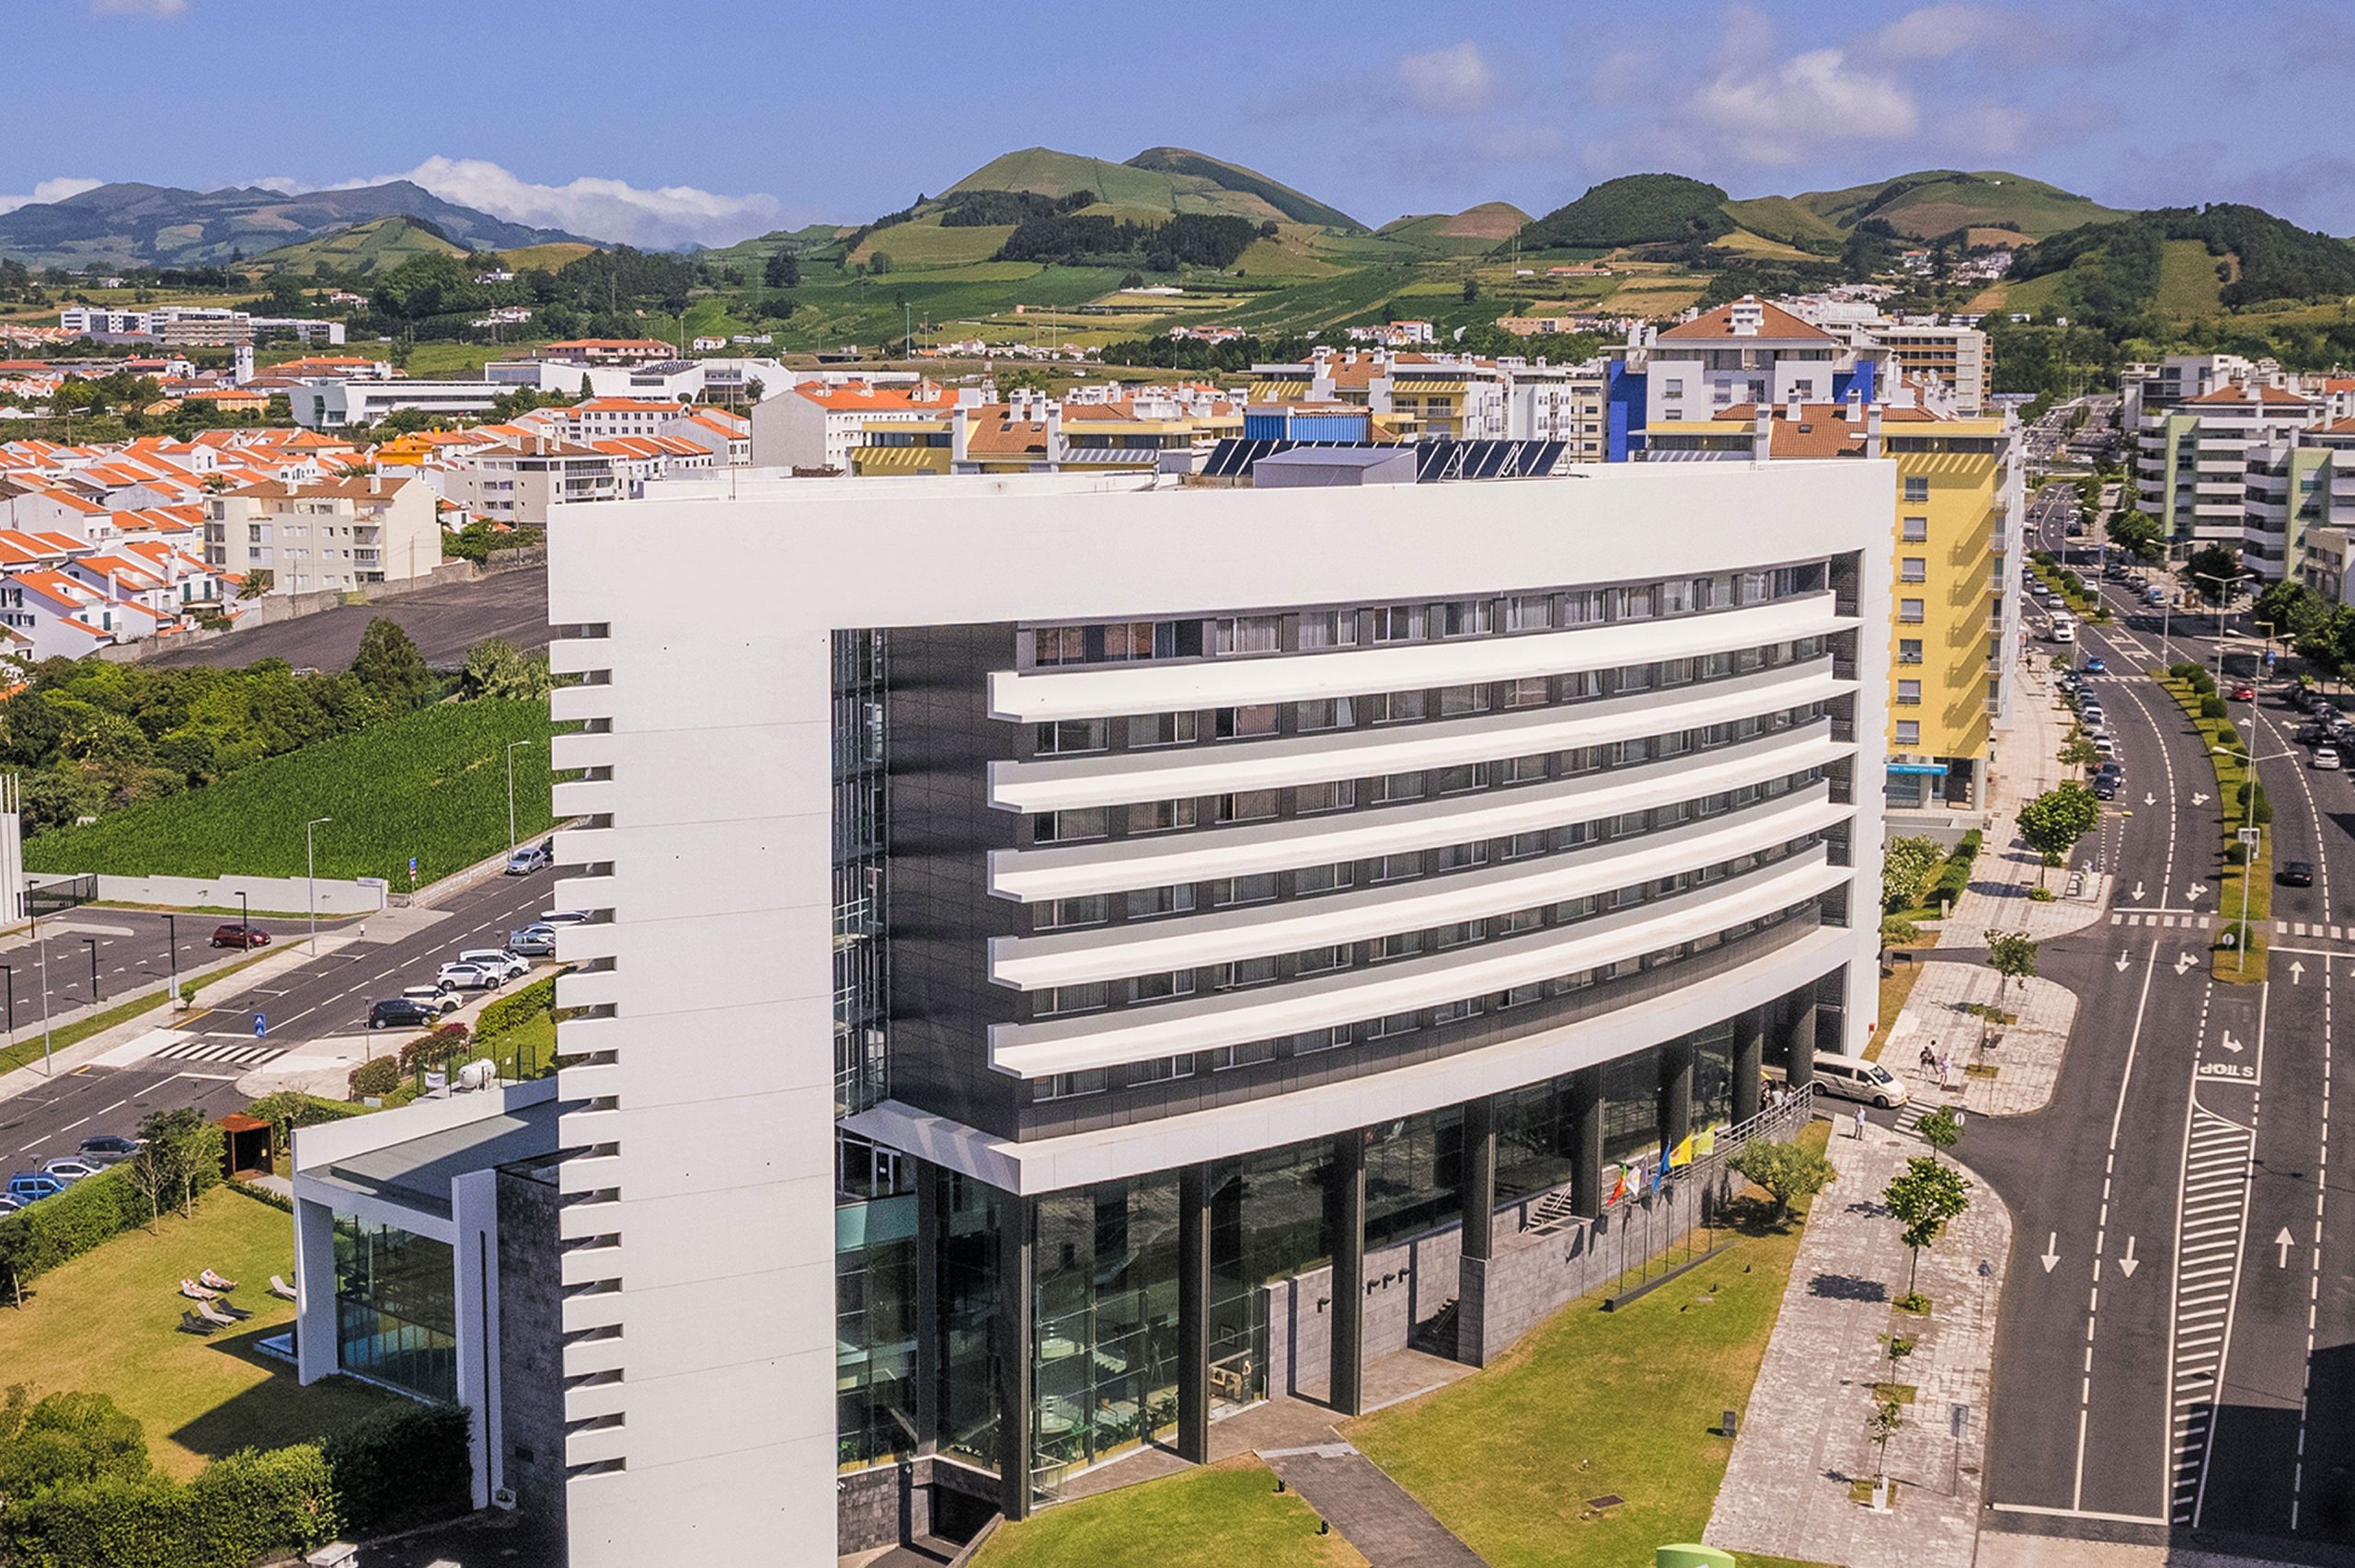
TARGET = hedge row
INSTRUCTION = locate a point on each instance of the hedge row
(399, 1467)
(287, 1110)
(516, 1008)
(40, 1236)
(1954, 878)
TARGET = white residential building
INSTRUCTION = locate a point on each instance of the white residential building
(332, 403)
(334, 535)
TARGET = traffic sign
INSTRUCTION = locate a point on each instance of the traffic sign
(261, 1024)
(2249, 835)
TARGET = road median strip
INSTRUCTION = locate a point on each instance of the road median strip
(2245, 884)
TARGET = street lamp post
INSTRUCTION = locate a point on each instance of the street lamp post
(244, 913)
(510, 792)
(8, 971)
(92, 943)
(172, 947)
(2223, 595)
(310, 877)
(47, 1066)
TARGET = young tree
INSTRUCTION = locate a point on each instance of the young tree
(2012, 954)
(1941, 1129)
(1922, 1197)
(495, 668)
(184, 1152)
(1905, 863)
(1787, 1172)
(1884, 1423)
(390, 669)
(2209, 571)
(2055, 820)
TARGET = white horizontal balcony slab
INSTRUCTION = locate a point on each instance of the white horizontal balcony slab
(589, 1357)
(1031, 696)
(1072, 871)
(595, 1310)
(1179, 773)
(1244, 1126)
(1267, 1013)
(1109, 953)
(596, 1444)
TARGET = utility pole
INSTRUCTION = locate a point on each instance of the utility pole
(310, 877)
(510, 793)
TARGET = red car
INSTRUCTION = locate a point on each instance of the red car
(2244, 693)
(239, 936)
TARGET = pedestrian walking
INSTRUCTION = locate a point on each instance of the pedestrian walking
(1930, 1057)
(1860, 1121)
(1945, 1072)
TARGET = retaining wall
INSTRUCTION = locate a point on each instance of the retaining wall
(285, 895)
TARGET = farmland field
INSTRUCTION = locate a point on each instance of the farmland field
(432, 784)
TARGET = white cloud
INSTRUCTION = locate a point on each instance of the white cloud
(595, 208)
(49, 190)
(1783, 111)
(1455, 80)
(1937, 32)
(137, 7)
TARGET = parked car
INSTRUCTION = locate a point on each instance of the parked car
(469, 977)
(2296, 873)
(529, 858)
(2104, 746)
(507, 966)
(31, 1186)
(10, 1205)
(2106, 786)
(2311, 734)
(2326, 758)
(235, 936)
(531, 942)
(69, 1168)
(2154, 596)
(401, 1013)
(433, 999)
(1855, 1079)
(108, 1148)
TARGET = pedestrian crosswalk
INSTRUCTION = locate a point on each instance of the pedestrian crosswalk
(2316, 930)
(2305, 928)
(228, 1052)
(2186, 922)
(2215, 1219)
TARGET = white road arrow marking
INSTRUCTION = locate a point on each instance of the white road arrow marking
(2296, 969)
(2127, 1264)
(2230, 1044)
(2183, 961)
(2123, 962)
(2194, 891)
(2052, 1250)
(2198, 799)
(2137, 894)
(2149, 799)
(2282, 1242)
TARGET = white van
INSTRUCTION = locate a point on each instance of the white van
(1853, 1078)
(2064, 628)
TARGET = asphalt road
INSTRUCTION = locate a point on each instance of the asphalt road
(2172, 1361)
(326, 995)
(444, 623)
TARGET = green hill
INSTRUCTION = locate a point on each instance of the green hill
(1165, 180)
(2181, 261)
(1932, 202)
(359, 249)
(1471, 232)
(1636, 209)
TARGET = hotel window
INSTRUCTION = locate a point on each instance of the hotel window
(1324, 878)
(1455, 857)
(1394, 867)
(1532, 691)
(1250, 805)
(1914, 568)
(1244, 972)
(1454, 1012)
(1909, 732)
(1318, 960)
(1068, 1085)
(1320, 1040)
(1395, 623)
(1466, 617)
(1910, 612)
(1058, 645)
(1150, 639)
(1579, 608)
(1393, 708)
(1058, 999)
(1338, 796)
(1521, 996)
(1909, 651)
(1063, 826)
(1162, 1070)
(1336, 713)
(1917, 488)
(1247, 634)
(1159, 987)
(1328, 628)
(1146, 902)
(1231, 724)
(1058, 914)
(1916, 529)
(1073, 735)
(1675, 596)
(1160, 816)
(1455, 781)
(1529, 613)
(1394, 787)
(1522, 845)
(1160, 729)
(1394, 1024)
(1397, 944)
(1634, 603)
(1256, 889)
(1909, 693)
(1455, 700)
(1251, 1055)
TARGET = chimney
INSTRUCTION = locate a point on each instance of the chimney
(1761, 434)
(1794, 408)
(960, 421)
(1872, 431)
(1855, 403)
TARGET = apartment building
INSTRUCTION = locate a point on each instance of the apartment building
(1952, 537)
(815, 424)
(527, 477)
(1954, 356)
(1745, 352)
(1144, 429)
(1411, 395)
(333, 403)
(2192, 459)
(331, 534)
(1103, 950)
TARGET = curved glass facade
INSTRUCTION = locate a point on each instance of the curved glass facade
(395, 1307)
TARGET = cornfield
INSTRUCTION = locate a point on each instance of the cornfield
(432, 784)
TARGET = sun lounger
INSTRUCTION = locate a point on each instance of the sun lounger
(191, 1323)
(214, 1282)
(280, 1289)
(214, 1316)
(195, 1292)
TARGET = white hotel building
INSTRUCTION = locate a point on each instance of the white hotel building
(1105, 951)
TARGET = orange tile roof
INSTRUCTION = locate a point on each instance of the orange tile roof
(858, 396)
(2236, 392)
(1776, 325)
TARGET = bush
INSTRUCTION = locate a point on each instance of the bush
(2227, 736)
(2235, 853)
(2182, 670)
(2203, 684)
(401, 1466)
(1895, 933)
(2212, 707)
(433, 1049)
(287, 1110)
(2260, 811)
(378, 1075)
(517, 1007)
(238, 1510)
(40, 1236)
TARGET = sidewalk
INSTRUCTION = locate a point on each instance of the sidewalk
(2026, 1061)
(1786, 1491)
(1998, 896)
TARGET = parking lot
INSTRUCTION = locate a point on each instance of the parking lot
(444, 623)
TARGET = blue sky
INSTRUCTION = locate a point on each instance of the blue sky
(665, 121)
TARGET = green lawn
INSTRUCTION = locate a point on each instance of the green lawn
(109, 1322)
(1226, 1516)
(2252, 883)
(1594, 1403)
(431, 785)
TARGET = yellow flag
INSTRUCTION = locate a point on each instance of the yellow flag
(1683, 1153)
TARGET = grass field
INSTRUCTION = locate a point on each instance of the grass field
(925, 242)
(1219, 1516)
(2188, 282)
(109, 1322)
(1596, 1402)
(432, 784)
